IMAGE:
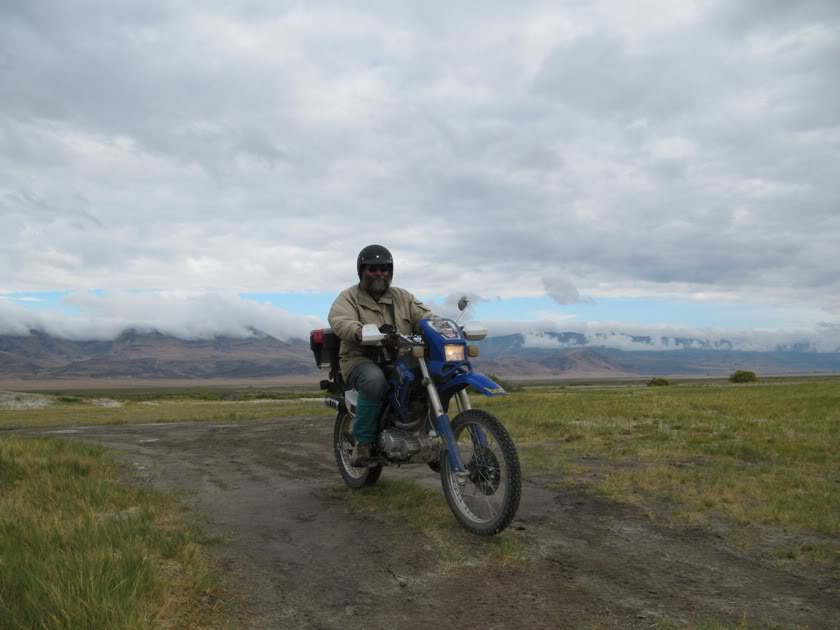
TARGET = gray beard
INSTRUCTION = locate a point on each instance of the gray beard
(375, 285)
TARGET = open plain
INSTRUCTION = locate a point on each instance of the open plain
(299, 550)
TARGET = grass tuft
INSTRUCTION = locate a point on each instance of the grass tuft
(78, 549)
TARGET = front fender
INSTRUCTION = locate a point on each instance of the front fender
(481, 383)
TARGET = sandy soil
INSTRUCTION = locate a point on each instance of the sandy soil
(297, 559)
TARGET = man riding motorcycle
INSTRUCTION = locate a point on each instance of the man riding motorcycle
(372, 301)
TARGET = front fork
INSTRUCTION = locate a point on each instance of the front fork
(477, 435)
(442, 424)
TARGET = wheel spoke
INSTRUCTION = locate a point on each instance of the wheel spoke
(487, 500)
(484, 498)
(490, 507)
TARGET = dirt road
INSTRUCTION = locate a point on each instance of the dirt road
(298, 559)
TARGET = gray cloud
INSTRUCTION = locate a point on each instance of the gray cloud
(670, 150)
(561, 289)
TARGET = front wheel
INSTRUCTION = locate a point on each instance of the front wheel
(343, 441)
(486, 499)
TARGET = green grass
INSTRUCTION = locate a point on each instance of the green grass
(79, 549)
(147, 408)
(407, 503)
(754, 454)
(751, 456)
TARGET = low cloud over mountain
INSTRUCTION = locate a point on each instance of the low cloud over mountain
(206, 315)
(152, 355)
(182, 314)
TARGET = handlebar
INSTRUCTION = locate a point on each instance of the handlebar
(397, 340)
(388, 336)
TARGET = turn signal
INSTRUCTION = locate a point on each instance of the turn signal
(472, 351)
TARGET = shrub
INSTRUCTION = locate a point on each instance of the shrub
(658, 381)
(743, 376)
(509, 387)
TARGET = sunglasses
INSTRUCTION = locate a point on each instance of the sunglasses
(378, 268)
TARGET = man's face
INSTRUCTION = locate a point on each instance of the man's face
(376, 278)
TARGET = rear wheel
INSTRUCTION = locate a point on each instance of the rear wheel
(354, 476)
(486, 498)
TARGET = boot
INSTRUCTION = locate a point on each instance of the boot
(360, 455)
(365, 426)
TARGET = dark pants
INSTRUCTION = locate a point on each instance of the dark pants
(367, 378)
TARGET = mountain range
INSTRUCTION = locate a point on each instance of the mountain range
(152, 355)
(155, 356)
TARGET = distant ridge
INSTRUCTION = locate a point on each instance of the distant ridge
(151, 355)
(685, 356)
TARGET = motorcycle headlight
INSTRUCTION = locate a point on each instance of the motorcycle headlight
(453, 352)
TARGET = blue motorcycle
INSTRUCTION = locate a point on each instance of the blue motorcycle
(427, 372)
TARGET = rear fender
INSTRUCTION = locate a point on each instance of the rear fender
(351, 399)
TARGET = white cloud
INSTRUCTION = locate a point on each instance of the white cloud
(259, 148)
(198, 314)
(627, 336)
(188, 315)
(541, 340)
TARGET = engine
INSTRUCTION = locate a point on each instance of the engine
(401, 445)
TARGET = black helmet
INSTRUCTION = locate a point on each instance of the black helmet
(374, 255)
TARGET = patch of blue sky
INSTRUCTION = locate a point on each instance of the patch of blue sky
(645, 311)
(317, 304)
(40, 300)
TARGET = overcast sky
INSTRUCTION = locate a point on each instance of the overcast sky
(160, 159)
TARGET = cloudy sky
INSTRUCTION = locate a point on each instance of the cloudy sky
(203, 167)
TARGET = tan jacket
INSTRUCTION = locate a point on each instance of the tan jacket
(355, 307)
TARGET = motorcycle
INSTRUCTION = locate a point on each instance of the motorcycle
(473, 452)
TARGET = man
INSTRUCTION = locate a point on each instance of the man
(372, 301)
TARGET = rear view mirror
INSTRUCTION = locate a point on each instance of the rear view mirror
(371, 335)
(463, 303)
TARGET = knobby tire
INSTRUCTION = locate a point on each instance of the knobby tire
(513, 488)
(351, 475)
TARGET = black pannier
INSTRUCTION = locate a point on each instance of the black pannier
(325, 344)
